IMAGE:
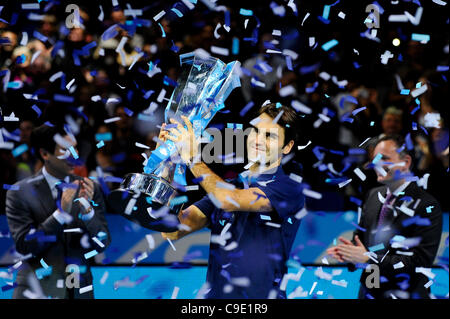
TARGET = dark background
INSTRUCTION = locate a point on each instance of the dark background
(355, 59)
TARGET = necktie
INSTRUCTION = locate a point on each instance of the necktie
(385, 209)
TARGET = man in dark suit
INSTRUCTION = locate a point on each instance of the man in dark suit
(399, 230)
(57, 221)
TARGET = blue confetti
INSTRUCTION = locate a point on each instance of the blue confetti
(40, 36)
(355, 200)
(11, 187)
(162, 30)
(377, 247)
(245, 12)
(330, 44)
(235, 46)
(109, 33)
(43, 272)
(178, 200)
(19, 150)
(420, 37)
(21, 59)
(103, 136)
(63, 98)
(8, 287)
(128, 111)
(74, 153)
(177, 12)
(37, 110)
(90, 254)
(326, 11)
(404, 92)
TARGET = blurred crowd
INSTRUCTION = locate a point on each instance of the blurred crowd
(346, 96)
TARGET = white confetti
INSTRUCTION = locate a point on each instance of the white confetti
(161, 95)
(104, 277)
(150, 241)
(11, 118)
(219, 50)
(313, 287)
(306, 17)
(296, 178)
(287, 90)
(98, 242)
(175, 292)
(300, 107)
(311, 193)
(426, 271)
(60, 283)
(341, 283)
(70, 84)
(432, 120)
(24, 40)
(141, 145)
(112, 119)
(85, 289)
(386, 56)
(415, 93)
(360, 174)
(399, 265)
(273, 225)
(159, 15)
(231, 246)
(364, 141)
(73, 230)
(342, 184)
(301, 213)
(171, 244)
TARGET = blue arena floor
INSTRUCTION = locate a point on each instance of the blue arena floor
(153, 282)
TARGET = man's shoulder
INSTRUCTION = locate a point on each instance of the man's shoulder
(417, 192)
(25, 184)
(374, 191)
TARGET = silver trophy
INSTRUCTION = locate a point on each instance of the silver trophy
(151, 198)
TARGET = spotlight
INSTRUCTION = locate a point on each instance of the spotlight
(396, 42)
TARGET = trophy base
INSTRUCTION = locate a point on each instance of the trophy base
(119, 203)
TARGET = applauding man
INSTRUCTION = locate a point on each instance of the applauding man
(399, 230)
(57, 221)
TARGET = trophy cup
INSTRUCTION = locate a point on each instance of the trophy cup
(150, 199)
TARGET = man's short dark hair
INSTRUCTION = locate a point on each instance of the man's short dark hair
(42, 137)
(400, 144)
(289, 120)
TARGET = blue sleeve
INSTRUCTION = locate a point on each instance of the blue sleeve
(206, 206)
(285, 196)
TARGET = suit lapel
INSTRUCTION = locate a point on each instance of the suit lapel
(409, 191)
(44, 195)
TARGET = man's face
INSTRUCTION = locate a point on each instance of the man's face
(125, 120)
(26, 127)
(9, 47)
(391, 124)
(265, 141)
(390, 161)
(60, 167)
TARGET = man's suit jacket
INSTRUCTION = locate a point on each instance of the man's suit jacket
(31, 207)
(424, 226)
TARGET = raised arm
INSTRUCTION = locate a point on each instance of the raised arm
(193, 218)
(251, 199)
